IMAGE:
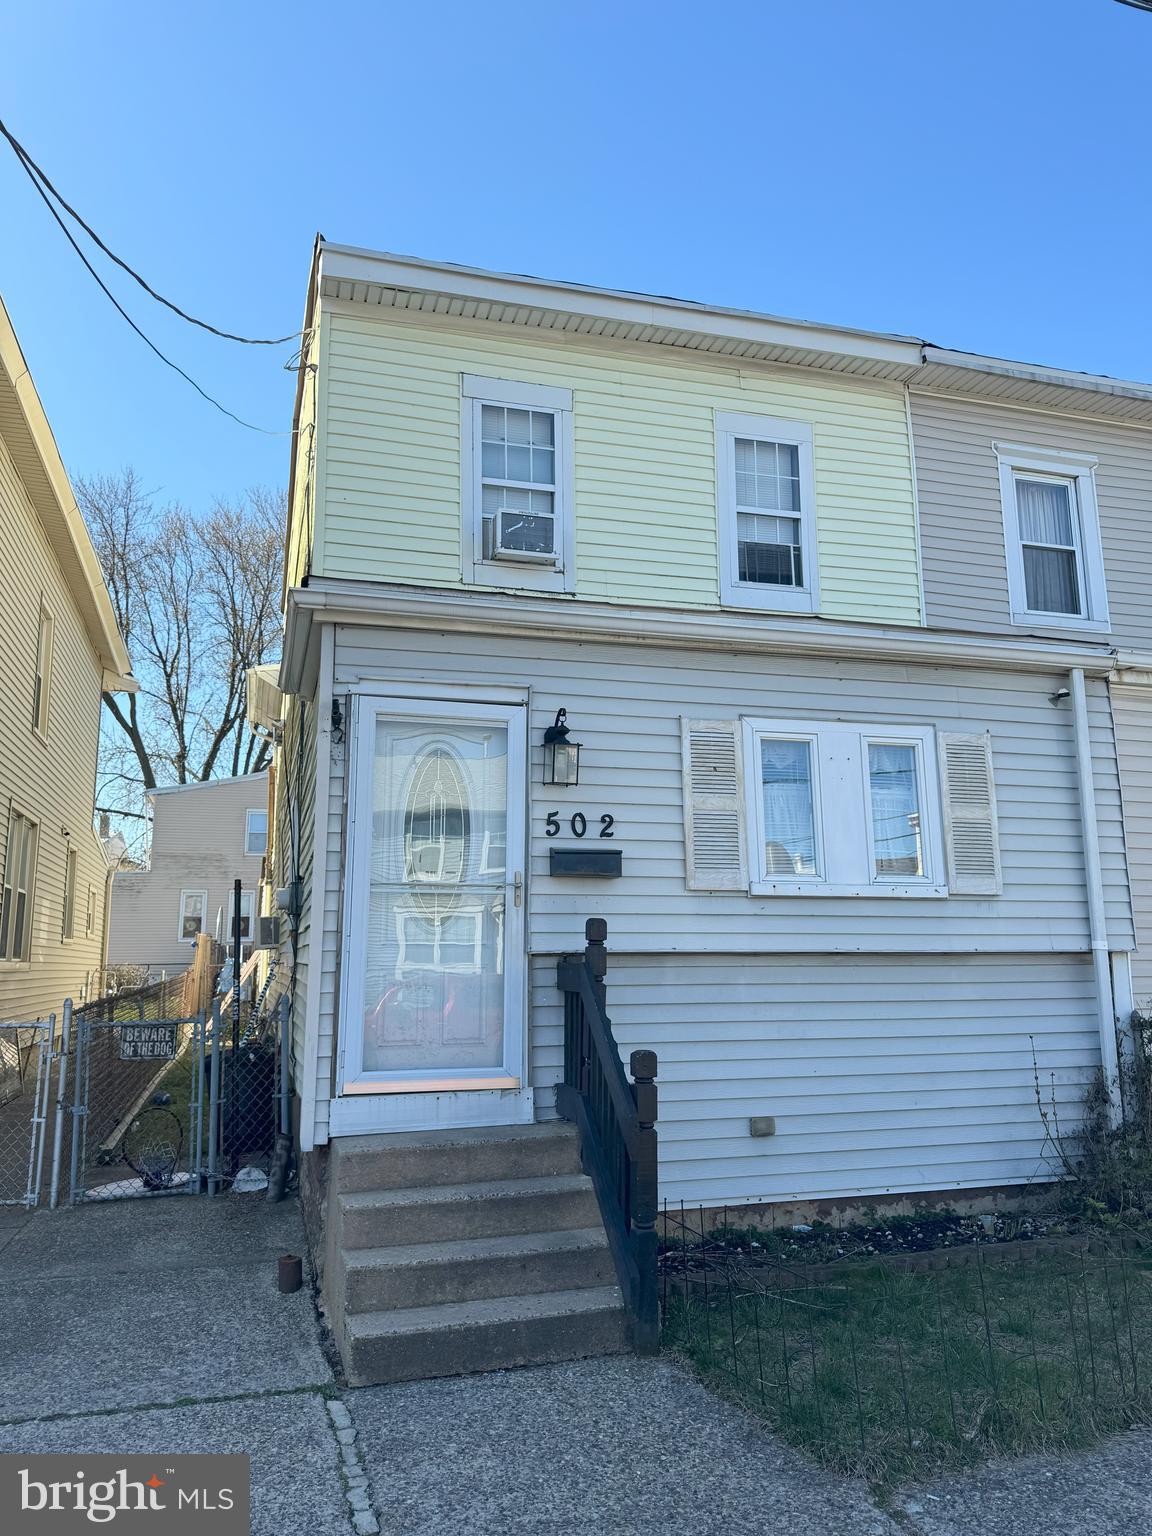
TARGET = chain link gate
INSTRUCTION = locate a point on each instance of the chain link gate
(27, 1055)
(174, 1105)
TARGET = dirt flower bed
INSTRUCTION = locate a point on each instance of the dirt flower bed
(820, 1243)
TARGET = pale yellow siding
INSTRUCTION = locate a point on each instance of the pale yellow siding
(645, 470)
(304, 455)
(49, 779)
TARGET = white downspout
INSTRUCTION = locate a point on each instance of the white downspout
(1094, 882)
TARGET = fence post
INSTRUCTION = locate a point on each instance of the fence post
(78, 1111)
(214, 1105)
(642, 1065)
(61, 1087)
(196, 1107)
(40, 1112)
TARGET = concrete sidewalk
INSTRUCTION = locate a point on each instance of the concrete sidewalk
(156, 1326)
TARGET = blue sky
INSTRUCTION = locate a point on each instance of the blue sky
(977, 174)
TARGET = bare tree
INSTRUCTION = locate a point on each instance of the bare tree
(197, 600)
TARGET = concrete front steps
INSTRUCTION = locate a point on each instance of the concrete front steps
(466, 1250)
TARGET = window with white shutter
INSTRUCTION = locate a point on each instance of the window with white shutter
(713, 805)
(764, 487)
(970, 828)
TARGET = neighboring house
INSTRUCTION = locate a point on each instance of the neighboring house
(854, 908)
(205, 837)
(1036, 511)
(60, 651)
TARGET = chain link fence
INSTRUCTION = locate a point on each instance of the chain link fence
(132, 1096)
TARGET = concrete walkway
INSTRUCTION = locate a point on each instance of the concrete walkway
(156, 1326)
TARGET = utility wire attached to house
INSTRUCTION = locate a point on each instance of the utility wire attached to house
(34, 177)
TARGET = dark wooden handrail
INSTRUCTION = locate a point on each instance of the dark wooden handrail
(616, 1119)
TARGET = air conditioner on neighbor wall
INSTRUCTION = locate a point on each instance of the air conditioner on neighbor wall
(528, 538)
(267, 933)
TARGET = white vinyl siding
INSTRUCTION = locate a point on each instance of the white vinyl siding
(644, 462)
(626, 703)
(885, 1074)
(1132, 708)
(767, 517)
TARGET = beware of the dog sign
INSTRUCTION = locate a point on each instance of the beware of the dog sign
(147, 1042)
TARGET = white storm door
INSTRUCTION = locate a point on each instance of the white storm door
(434, 994)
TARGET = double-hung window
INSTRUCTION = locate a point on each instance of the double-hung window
(42, 681)
(71, 860)
(193, 915)
(842, 809)
(767, 513)
(517, 490)
(16, 892)
(1052, 538)
(256, 832)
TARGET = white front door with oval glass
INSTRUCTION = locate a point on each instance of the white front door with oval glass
(433, 1015)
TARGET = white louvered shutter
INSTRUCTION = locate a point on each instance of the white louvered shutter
(970, 829)
(713, 806)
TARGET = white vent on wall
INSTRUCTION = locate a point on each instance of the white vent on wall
(970, 826)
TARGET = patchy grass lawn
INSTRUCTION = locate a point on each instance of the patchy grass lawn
(897, 1375)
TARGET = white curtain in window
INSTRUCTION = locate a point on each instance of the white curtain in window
(1045, 516)
(895, 794)
(789, 817)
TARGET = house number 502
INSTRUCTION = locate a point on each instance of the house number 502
(578, 825)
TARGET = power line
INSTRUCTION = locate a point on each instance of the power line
(148, 342)
(34, 173)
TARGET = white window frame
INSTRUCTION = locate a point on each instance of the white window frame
(842, 806)
(255, 853)
(478, 392)
(1077, 471)
(90, 913)
(71, 876)
(203, 915)
(247, 909)
(735, 593)
(9, 892)
(406, 918)
(42, 676)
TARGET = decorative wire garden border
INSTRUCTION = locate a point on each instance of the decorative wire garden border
(876, 1365)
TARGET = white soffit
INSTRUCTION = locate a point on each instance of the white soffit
(406, 283)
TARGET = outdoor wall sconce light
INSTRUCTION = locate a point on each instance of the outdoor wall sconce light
(561, 756)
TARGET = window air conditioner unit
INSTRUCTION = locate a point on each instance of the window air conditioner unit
(267, 933)
(529, 538)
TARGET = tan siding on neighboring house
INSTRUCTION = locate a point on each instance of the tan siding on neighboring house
(52, 780)
(645, 464)
(962, 526)
(1132, 709)
(197, 845)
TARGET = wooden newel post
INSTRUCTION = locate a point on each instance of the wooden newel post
(596, 954)
(643, 1065)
